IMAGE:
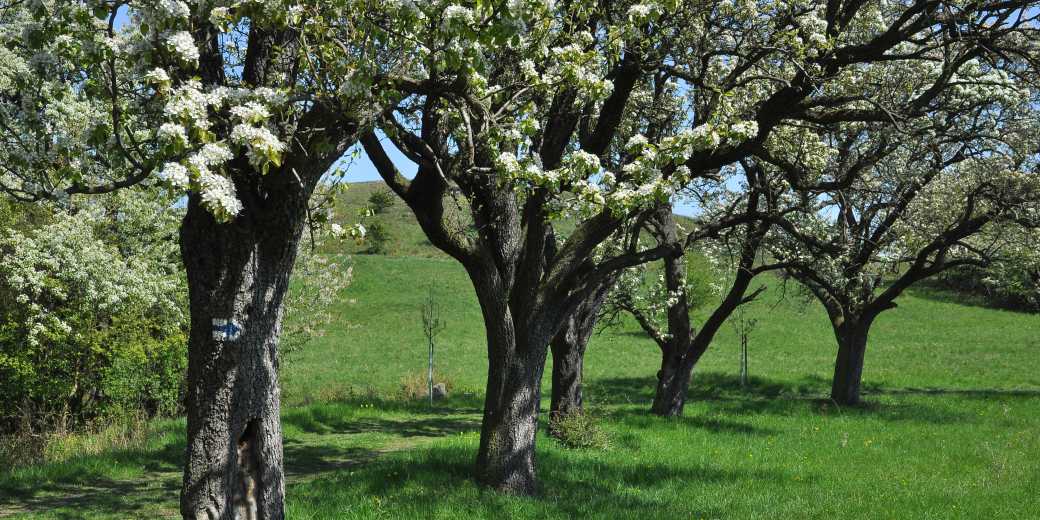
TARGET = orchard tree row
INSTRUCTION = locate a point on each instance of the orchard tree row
(856, 146)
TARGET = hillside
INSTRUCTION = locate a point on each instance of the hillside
(406, 238)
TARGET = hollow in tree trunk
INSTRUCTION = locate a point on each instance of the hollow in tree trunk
(238, 273)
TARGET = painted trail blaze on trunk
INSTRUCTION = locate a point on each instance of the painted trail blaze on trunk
(237, 276)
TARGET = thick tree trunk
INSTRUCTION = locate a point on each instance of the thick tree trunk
(848, 368)
(673, 382)
(506, 457)
(568, 353)
(238, 273)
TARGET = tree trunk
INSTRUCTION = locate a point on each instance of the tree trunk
(848, 368)
(568, 353)
(506, 457)
(683, 348)
(677, 358)
(238, 273)
(673, 381)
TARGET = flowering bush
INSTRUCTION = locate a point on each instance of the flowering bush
(91, 316)
(1012, 280)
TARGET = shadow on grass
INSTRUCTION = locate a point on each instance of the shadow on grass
(307, 460)
(643, 419)
(725, 394)
(457, 403)
(320, 422)
(935, 291)
(86, 482)
(703, 385)
(437, 482)
(122, 498)
(977, 393)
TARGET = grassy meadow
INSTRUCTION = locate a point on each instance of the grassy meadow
(950, 429)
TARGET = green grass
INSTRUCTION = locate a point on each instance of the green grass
(951, 428)
(406, 238)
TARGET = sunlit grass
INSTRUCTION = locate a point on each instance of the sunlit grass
(950, 429)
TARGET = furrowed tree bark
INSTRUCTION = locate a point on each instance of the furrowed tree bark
(568, 353)
(238, 273)
(506, 457)
(673, 382)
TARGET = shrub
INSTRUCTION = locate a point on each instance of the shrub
(381, 200)
(1012, 281)
(92, 321)
(1000, 285)
(578, 430)
(378, 238)
(147, 375)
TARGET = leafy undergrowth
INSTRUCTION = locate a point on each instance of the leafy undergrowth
(950, 429)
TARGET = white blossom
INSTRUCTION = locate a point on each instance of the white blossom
(175, 174)
(173, 133)
(457, 15)
(636, 143)
(251, 112)
(639, 13)
(218, 195)
(215, 154)
(175, 9)
(183, 46)
(157, 76)
(263, 145)
(219, 15)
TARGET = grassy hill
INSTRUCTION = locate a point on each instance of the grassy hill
(406, 238)
(951, 428)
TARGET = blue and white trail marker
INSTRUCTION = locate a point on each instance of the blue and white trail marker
(226, 330)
